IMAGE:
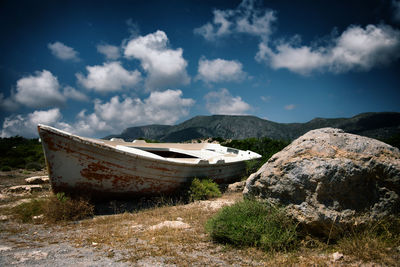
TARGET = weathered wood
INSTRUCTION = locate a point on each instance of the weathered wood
(116, 168)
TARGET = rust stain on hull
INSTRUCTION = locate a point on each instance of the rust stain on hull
(78, 165)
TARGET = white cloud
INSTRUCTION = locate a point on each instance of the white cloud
(39, 90)
(266, 99)
(396, 10)
(111, 52)
(109, 77)
(355, 49)
(220, 70)
(165, 66)
(27, 125)
(63, 52)
(290, 107)
(246, 18)
(8, 104)
(72, 93)
(113, 116)
(117, 114)
(223, 102)
(160, 107)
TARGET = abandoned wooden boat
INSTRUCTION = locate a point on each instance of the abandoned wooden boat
(117, 168)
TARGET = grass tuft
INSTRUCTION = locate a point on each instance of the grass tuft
(374, 242)
(54, 209)
(63, 208)
(26, 211)
(252, 223)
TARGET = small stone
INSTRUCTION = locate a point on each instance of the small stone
(170, 224)
(236, 187)
(4, 218)
(4, 248)
(24, 189)
(337, 256)
(37, 180)
(94, 244)
(179, 219)
(38, 218)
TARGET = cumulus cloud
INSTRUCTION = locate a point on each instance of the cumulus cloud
(26, 125)
(8, 104)
(247, 18)
(220, 70)
(222, 102)
(117, 114)
(72, 93)
(164, 66)
(109, 77)
(63, 52)
(39, 90)
(356, 48)
(112, 116)
(111, 52)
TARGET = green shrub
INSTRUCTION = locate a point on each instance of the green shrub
(17, 152)
(203, 189)
(33, 166)
(5, 168)
(255, 224)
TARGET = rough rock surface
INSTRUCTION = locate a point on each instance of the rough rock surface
(37, 180)
(330, 180)
(236, 187)
(24, 189)
(170, 224)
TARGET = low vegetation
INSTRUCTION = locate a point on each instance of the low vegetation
(251, 223)
(25, 212)
(393, 140)
(54, 208)
(203, 189)
(374, 242)
(21, 153)
(253, 232)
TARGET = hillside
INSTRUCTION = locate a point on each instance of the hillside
(381, 125)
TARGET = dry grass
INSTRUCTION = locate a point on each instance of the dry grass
(132, 233)
(50, 209)
(377, 242)
(131, 236)
(128, 237)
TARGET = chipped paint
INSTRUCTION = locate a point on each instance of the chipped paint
(85, 165)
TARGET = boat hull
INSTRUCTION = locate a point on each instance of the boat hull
(78, 166)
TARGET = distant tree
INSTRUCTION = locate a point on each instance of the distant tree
(393, 140)
(264, 146)
(19, 152)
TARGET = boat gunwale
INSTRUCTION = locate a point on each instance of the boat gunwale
(102, 145)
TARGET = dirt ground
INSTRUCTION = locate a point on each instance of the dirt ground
(124, 233)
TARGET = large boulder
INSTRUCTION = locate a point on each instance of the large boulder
(330, 180)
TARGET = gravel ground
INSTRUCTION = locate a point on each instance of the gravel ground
(56, 245)
(70, 244)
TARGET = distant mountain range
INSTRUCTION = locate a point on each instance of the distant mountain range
(380, 125)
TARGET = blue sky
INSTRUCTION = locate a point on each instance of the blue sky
(97, 67)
